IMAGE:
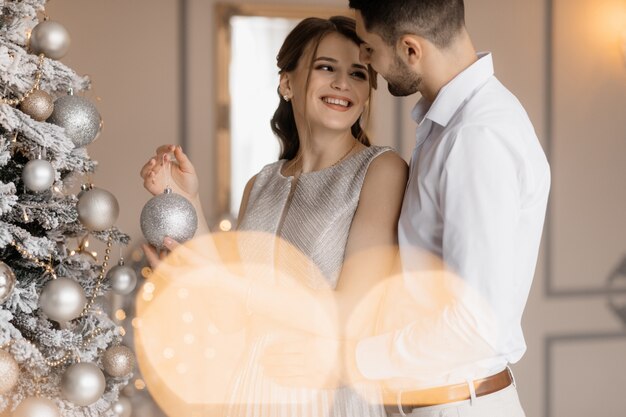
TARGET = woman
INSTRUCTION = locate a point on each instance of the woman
(331, 195)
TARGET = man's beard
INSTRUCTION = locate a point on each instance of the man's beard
(401, 81)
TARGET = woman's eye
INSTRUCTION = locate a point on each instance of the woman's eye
(360, 75)
(324, 68)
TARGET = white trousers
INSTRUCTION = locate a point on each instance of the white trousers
(503, 403)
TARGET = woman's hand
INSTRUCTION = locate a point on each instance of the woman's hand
(182, 177)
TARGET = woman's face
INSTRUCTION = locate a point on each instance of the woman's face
(338, 85)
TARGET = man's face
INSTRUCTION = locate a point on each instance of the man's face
(402, 80)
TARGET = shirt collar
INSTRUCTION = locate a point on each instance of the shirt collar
(453, 95)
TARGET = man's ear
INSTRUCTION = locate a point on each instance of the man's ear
(410, 48)
(284, 85)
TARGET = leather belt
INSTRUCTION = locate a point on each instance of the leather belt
(448, 393)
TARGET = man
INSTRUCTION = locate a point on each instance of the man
(476, 198)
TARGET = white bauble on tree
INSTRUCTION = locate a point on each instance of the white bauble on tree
(123, 407)
(10, 371)
(79, 117)
(62, 299)
(7, 282)
(38, 105)
(118, 361)
(123, 278)
(83, 383)
(97, 209)
(168, 215)
(38, 175)
(36, 407)
(51, 39)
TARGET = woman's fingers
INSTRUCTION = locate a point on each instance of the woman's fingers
(184, 162)
(145, 170)
(151, 255)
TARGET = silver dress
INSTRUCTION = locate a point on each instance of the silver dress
(313, 213)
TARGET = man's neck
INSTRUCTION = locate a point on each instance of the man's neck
(447, 64)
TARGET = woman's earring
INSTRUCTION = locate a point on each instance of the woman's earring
(286, 97)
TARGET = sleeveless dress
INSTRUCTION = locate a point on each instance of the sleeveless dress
(313, 213)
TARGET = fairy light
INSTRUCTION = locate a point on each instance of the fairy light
(120, 314)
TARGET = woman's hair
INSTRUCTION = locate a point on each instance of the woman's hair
(308, 32)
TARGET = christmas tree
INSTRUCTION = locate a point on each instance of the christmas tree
(60, 352)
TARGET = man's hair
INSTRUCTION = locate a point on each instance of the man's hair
(438, 21)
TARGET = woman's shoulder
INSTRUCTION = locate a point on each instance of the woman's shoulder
(386, 159)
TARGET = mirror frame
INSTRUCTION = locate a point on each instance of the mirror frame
(224, 12)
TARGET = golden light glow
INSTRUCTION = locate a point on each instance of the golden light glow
(120, 314)
(136, 322)
(146, 271)
(226, 225)
(148, 287)
(139, 384)
(189, 351)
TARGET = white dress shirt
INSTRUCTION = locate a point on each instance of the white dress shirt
(476, 198)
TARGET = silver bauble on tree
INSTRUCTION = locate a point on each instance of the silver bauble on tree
(38, 105)
(10, 371)
(97, 209)
(36, 407)
(38, 175)
(62, 299)
(49, 38)
(122, 278)
(168, 215)
(123, 407)
(79, 117)
(118, 361)
(83, 383)
(7, 282)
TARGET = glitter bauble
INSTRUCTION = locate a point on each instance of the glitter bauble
(79, 117)
(62, 299)
(118, 361)
(168, 215)
(36, 407)
(83, 383)
(7, 282)
(122, 407)
(97, 209)
(10, 371)
(123, 278)
(39, 105)
(51, 39)
(38, 175)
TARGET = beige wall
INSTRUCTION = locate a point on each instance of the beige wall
(131, 50)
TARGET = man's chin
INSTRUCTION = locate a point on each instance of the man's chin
(401, 91)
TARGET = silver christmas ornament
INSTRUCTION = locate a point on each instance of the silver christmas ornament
(79, 117)
(38, 175)
(38, 105)
(7, 282)
(168, 215)
(10, 371)
(97, 209)
(123, 407)
(36, 407)
(51, 39)
(83, 383)
(118, 361)
(62, 299)
(123, 278)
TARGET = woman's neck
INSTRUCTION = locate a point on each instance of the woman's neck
(322, 150)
